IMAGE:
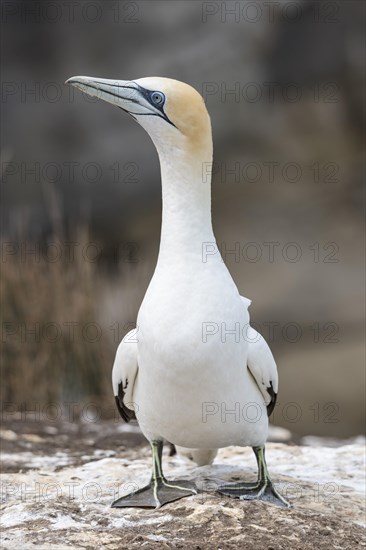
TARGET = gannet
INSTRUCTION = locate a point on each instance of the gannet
(198, 391)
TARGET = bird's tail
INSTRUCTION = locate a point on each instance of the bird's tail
(201, 457)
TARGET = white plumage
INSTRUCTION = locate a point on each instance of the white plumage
(199, 389)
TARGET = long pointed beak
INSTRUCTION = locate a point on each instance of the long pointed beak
(122, 93)
(125, 94)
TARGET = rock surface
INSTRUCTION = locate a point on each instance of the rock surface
(58, 485)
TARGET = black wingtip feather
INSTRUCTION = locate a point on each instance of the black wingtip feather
(272, 403)
(126, 413)
(172, 449)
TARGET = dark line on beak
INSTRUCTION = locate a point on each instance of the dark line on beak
(108, 92)
(158, 115)
(98, 88)
(128, 112)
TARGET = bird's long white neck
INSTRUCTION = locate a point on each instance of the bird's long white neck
(186, 220)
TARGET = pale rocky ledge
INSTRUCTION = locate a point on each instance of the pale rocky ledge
(58, 482)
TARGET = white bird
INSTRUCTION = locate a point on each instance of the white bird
(197, 375)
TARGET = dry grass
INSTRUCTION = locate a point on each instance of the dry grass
(56, 347)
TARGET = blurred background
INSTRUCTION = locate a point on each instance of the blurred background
(81, 197)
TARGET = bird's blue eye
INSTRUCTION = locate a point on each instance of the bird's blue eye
(157, 98)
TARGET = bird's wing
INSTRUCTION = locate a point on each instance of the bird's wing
(262, 366)
(124, 375)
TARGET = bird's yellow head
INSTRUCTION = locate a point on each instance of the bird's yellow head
(172, 112)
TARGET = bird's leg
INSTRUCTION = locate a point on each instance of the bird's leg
(262, 490)
(159, 490)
